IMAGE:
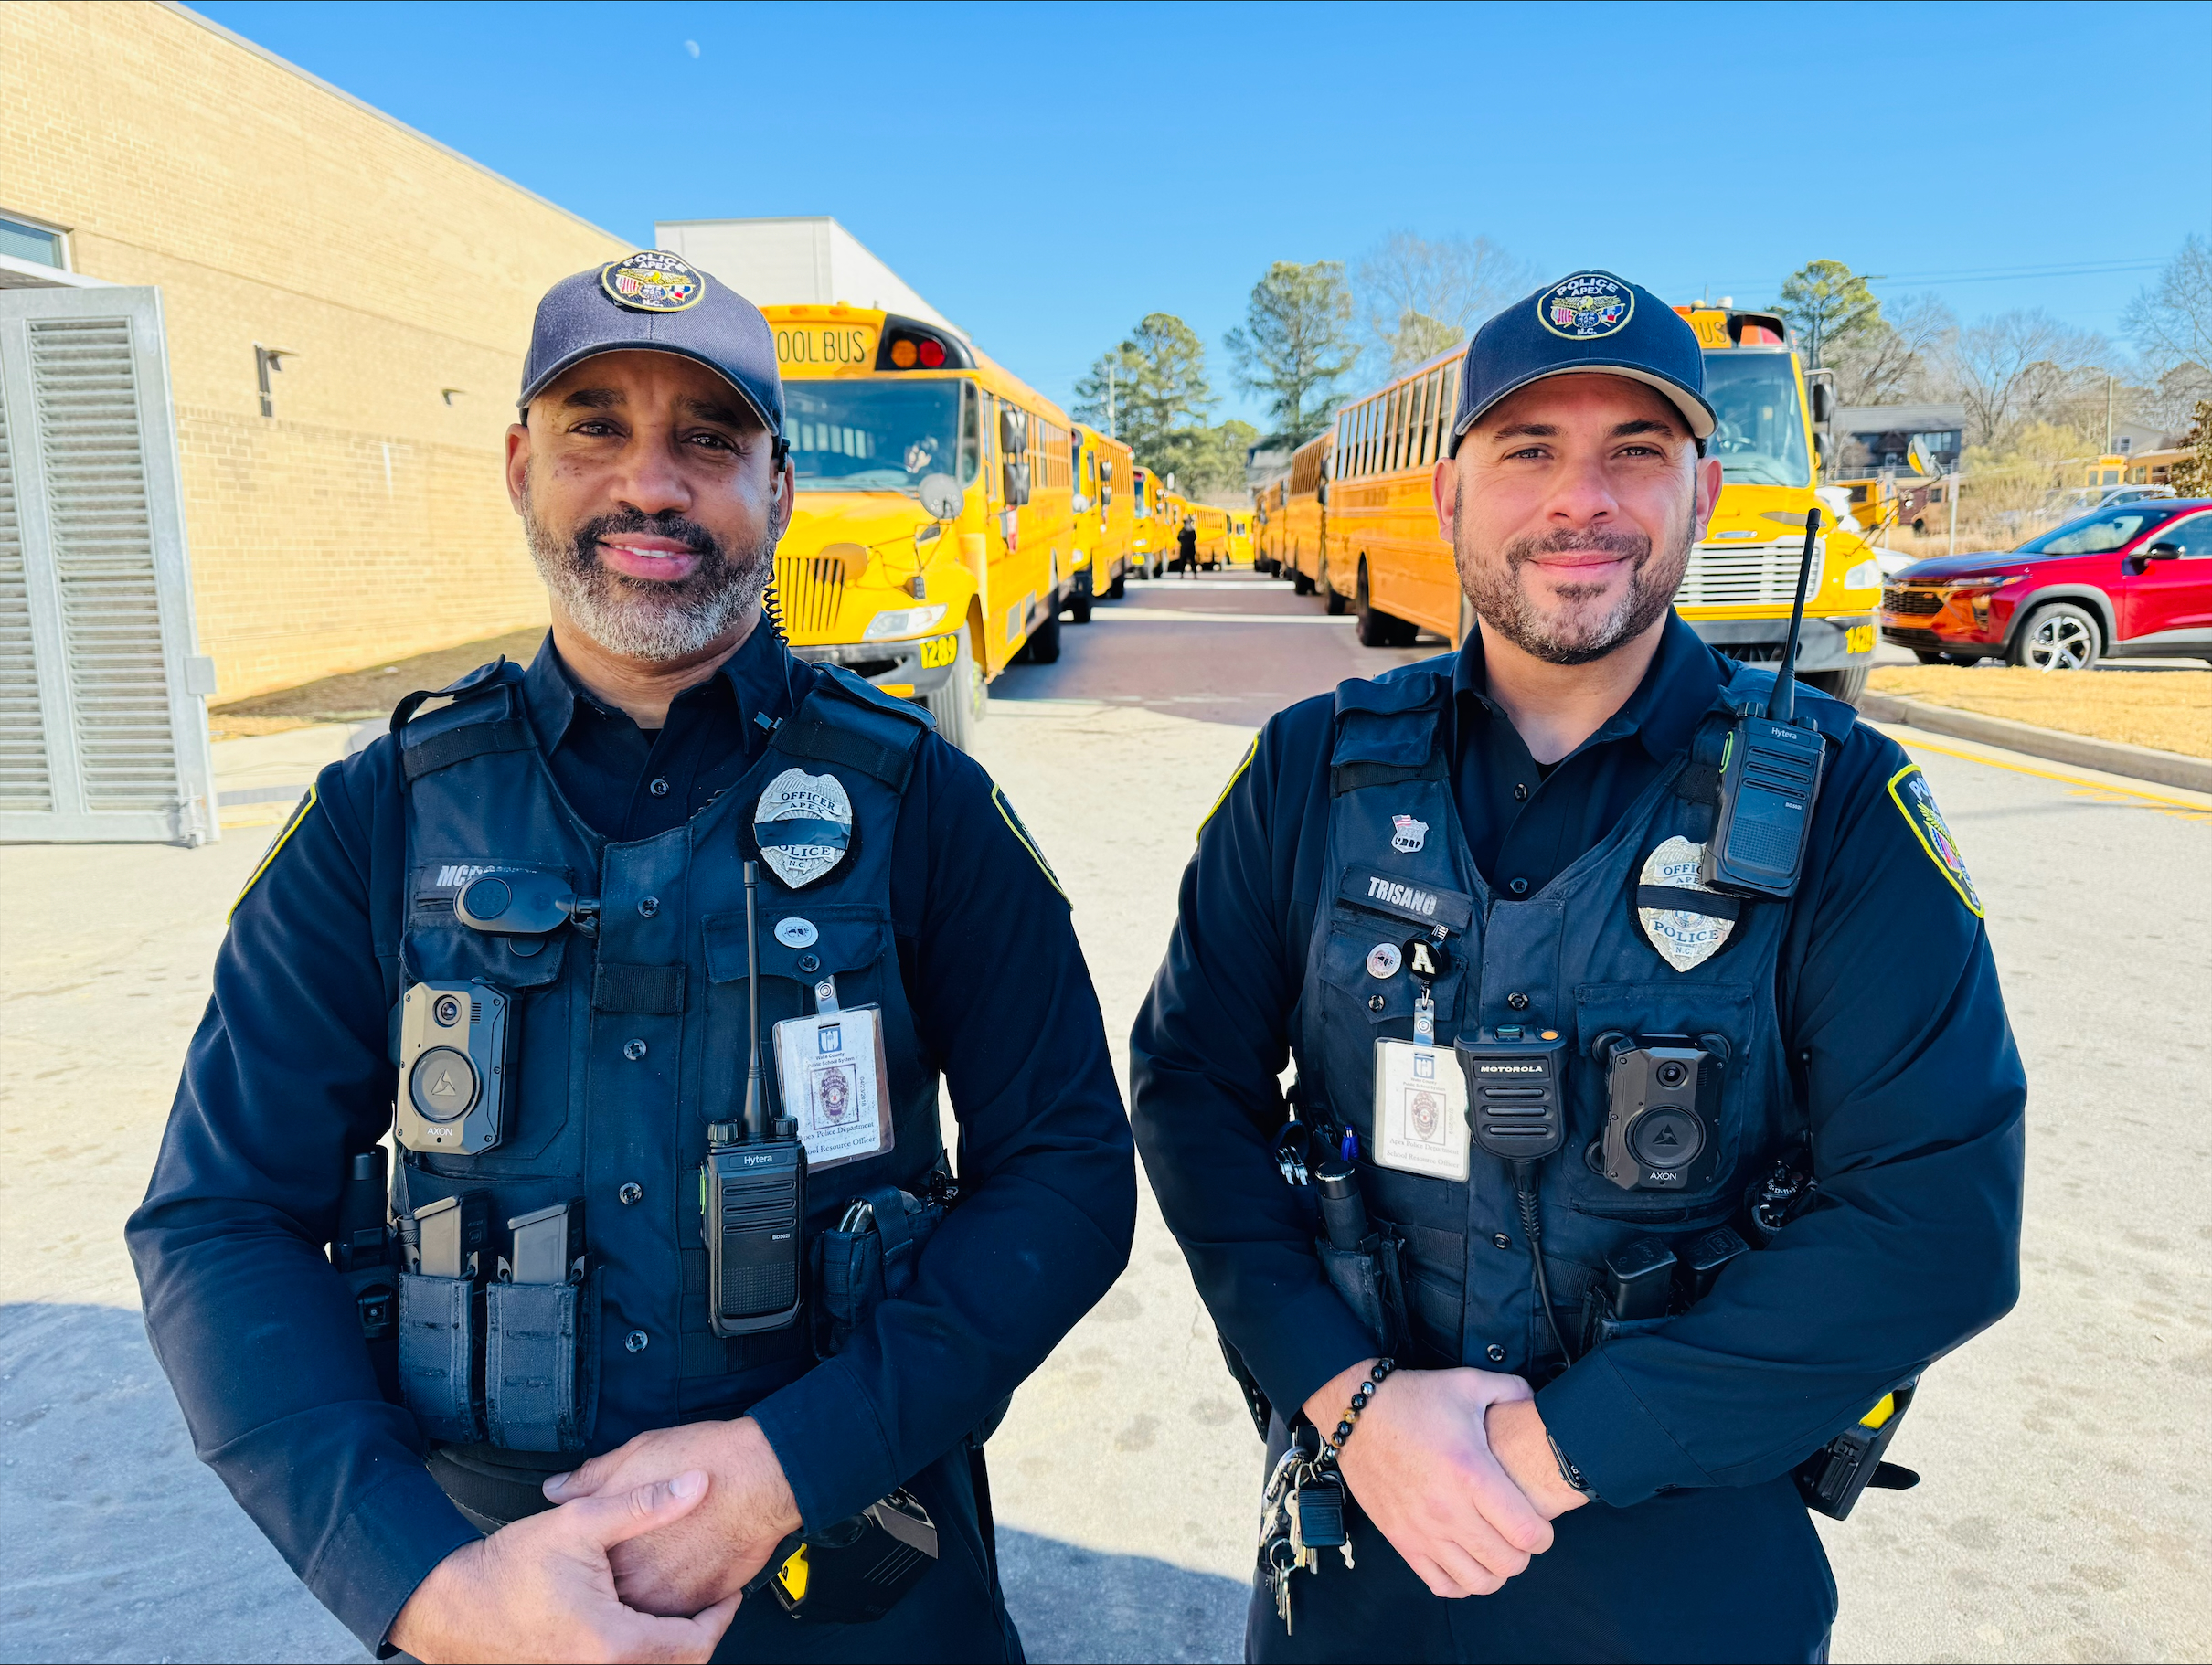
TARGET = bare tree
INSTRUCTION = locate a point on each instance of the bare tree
(2024, 366)
(1893, 361)
(1420, 296)
(2171, 321)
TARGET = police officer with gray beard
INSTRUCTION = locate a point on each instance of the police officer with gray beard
(642, 1327)
(1655, 1118)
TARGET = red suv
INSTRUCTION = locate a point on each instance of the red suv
(2132, 581)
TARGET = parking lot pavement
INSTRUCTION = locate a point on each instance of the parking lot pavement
(2066, 1451)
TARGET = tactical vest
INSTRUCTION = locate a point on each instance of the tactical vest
(632, 1041)
(1571, 958)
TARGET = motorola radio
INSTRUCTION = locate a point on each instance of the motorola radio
(1516, 1100)
(1770, 779)
(752, 1190)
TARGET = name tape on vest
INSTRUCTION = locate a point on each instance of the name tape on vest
(1422, 904)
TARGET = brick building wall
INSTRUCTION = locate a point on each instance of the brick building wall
(366, 519)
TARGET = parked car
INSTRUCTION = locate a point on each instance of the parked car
(2129, 580)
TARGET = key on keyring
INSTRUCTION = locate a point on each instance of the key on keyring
(1281, 1561)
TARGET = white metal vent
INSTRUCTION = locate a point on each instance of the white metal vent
(1745, 575)
(102, 732)
(25, 783)
(103, 556)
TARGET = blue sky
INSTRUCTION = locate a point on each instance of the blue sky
(1047, 174)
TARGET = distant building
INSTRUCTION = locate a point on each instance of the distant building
(1871, 438)
(264, 341)
(346, 305)
(800, 262)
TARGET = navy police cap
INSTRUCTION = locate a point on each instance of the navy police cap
(654, 302)
(1590, 322)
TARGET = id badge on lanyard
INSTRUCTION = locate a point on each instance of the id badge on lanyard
(831, 1069)
(1420, 1097)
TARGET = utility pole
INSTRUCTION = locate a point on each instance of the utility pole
(1110, 434)
(2108, 415)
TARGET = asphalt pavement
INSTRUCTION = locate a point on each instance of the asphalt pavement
(2065, 1451)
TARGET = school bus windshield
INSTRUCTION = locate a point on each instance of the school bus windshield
(1760, 439)
(871, 436)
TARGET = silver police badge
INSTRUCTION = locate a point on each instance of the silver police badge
(804, 825)
(1406, 835)
(1684, 937)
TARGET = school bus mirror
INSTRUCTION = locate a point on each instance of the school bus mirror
(941, 496)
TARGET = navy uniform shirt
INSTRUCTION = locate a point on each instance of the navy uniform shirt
(1890, 1008)
(289, 1073)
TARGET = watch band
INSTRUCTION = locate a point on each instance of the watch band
(1567, 1472)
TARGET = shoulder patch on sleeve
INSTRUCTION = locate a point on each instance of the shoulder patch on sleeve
(1229, 786)
(1909, 789)
(306, 806)
(1014, 825)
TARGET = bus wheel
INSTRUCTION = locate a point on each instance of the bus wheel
(1300, 584)
(1376, 628)
(1846, 685)
(1043, 648)
(958, 706)
(1079, 608)
(1119, 588)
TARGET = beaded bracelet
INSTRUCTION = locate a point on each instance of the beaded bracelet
(1332, 1446)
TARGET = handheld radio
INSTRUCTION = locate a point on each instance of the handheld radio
(752, 1190)
(1770, 779)
(1517, 1101)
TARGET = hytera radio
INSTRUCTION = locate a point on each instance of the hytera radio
(752, 1192)
(1662, 1127)
(456, 1061)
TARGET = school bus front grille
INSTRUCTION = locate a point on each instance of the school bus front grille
(809, 589)
(1744, 575)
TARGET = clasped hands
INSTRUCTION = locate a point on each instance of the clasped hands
(645, 1556)
(1453, 1467)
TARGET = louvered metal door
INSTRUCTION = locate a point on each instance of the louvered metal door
(103, 732)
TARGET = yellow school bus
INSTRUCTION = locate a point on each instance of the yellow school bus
(934, 521)
(1238, 545)
(1213, 526)
(1105, 522)
(1268, 501)
(1151, 538)
(1387, 558)
(1173, 511)
(1303, 545)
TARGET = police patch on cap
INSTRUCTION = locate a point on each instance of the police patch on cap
(1685, 933)
(651, 280)
(804, 824)
(1587, 306)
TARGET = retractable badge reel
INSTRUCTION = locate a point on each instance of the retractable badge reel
(1421, 1101)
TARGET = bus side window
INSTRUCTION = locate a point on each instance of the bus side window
(971, 433)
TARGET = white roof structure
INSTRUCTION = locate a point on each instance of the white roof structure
(798, 261)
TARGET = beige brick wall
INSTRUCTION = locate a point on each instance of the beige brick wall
(366, 520)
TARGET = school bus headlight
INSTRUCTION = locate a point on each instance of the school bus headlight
(897, 621)
(1866, 574)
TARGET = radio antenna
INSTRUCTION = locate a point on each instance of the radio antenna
(1781, 704)
(754, 1127)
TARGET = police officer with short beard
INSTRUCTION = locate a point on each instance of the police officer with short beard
(571, 1448)
(1503, 848)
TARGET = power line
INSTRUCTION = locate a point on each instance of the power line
(1992, 274)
